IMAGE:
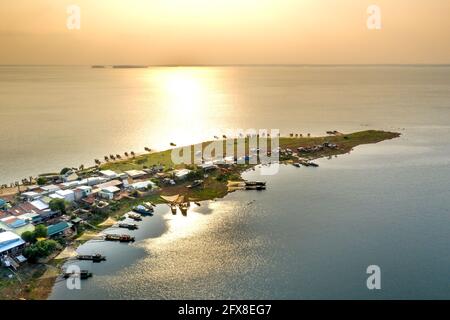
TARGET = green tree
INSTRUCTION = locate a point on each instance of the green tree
(40, 231)
(29, 236)
(40, 249)
(64, 171)
(58, 205)
(41, 181)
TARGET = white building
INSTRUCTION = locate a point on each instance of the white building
(67, 195)
(39, 205)
(109, 174)
(141, 185)
(135, 173)
(181, 173)
(10, 243)
(109, 192)
(82, 192)
(31, 195)
(49, 189)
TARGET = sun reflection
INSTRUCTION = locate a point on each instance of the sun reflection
(188, 98)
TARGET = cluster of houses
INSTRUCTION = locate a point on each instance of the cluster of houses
(317, 148)
(32, 207)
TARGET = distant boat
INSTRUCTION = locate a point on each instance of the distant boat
(95, 258)
(173, 208)
(129, 226)
(142, 210)
(128, 66)
(83, 274)
(135, 216)
(297, 164)
(98, 67)
(118, 237)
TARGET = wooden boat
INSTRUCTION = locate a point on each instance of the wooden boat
(173, 208)
(135, 216)
(257, 187)
(118, 237)
(197, 203)
(83, 274)
(296, 164)
(255, 183)
(129, 226)
(95, 257)
(141, 209)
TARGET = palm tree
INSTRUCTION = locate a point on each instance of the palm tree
(118, 156)
(224, 136)
(97, 161)
(106, 158)
(309, 135)
(81, 167)
(126, 154)
(132, 153)
(291, 135)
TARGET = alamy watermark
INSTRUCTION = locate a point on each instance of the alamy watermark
(73, 21)
(237, 146)
(374, 19)
(374, 280)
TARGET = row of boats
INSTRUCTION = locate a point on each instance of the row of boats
(305, 164)
(138, 211)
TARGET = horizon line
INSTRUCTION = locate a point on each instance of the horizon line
(241, 65)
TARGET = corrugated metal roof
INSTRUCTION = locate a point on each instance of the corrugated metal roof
(57, 228)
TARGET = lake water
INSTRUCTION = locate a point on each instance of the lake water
(312, 234)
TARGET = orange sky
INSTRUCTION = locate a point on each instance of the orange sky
(224, 32)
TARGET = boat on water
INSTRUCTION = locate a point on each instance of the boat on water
(297, 164)
(142, 209)
(173, 208)
(129, 226)
(254, 183)
(135, 216)
(94, 258)
(310, 164)
(119, 237)
(198, 204)
(83, 274)
(184, 208)
(257, 187)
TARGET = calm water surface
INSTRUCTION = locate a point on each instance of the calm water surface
(312, 234)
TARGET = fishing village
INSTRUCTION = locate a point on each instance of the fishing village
(44, 219)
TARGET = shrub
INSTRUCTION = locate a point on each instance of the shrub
(40, 249)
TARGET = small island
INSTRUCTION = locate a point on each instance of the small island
(76, 204)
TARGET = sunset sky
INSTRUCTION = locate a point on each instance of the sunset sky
(190, 32)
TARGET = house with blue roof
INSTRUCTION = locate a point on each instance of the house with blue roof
(58, 229)
(3, 204)
(10, 243)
